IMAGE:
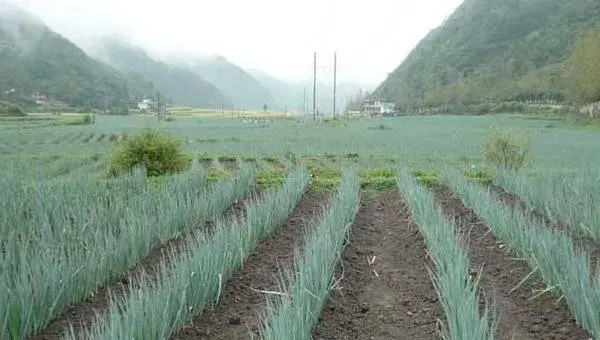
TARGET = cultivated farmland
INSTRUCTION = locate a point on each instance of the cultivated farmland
(284, 228)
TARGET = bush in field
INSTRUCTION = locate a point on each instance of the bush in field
(158, 152)
(11, 110)
(85, 119)
(505, 150)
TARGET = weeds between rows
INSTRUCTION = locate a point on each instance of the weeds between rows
(74, 238)
(457, 290)
(550, 253)
(195, 279)
(293, 315)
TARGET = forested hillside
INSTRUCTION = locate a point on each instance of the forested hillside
(494, 50)
(34, 59)
(180, 84)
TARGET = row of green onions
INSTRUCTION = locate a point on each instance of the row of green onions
(159, 307)
(551, 254)
(458, 292)
(294, 314)
(68, 244)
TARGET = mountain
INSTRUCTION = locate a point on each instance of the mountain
(33, 58)
(493, 50)
(243, 90)
(183, 86)
(288, 94)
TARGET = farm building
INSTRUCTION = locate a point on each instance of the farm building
(376, 108)
(145, 104)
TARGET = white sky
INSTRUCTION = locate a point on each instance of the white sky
(275, 36)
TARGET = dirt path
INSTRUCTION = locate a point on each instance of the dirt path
(81, 315)
(520, 317)
(580, 241)
(392, 299)
(240, 304)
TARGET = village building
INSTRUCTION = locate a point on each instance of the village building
(377, 108)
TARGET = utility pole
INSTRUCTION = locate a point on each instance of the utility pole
(334, 80)
(315, 87)
(158, 105)
(304, 101)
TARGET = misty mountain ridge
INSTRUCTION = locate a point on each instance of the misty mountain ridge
(242, 88)
(180, 84)
(35, 59)
(289, 93)
(112, 70)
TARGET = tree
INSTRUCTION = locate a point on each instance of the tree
(584, 68)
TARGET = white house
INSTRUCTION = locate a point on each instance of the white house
(374, 108)
(145, 104)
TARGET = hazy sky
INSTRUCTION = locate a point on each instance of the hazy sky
(276, 36)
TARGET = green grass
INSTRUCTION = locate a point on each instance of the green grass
(377, 178)
(271, 178)
(307, 284)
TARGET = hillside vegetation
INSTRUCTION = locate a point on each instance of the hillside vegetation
(34, 58)
(183, 86)
(490, 50)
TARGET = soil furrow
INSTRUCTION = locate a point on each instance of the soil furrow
(82, 314)
(386, 291)
(580, 241)
(241, 302)
(521, 317)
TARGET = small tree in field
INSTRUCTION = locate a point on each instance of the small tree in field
(505, 150)
(158, 152)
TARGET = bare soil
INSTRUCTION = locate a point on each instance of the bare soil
(229, 163)
(82, 314)
(521, 317)
(275, 163)
(238, 310)
(386, 291)
(580, 241)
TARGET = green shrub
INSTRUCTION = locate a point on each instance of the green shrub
(505, 150)
(480, 177)
(85, 119)
(158, 152)
(11, 110)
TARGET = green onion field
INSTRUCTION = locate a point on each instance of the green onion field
(283, 228)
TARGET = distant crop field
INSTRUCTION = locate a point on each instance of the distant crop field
(189, 111)
(285, 228)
